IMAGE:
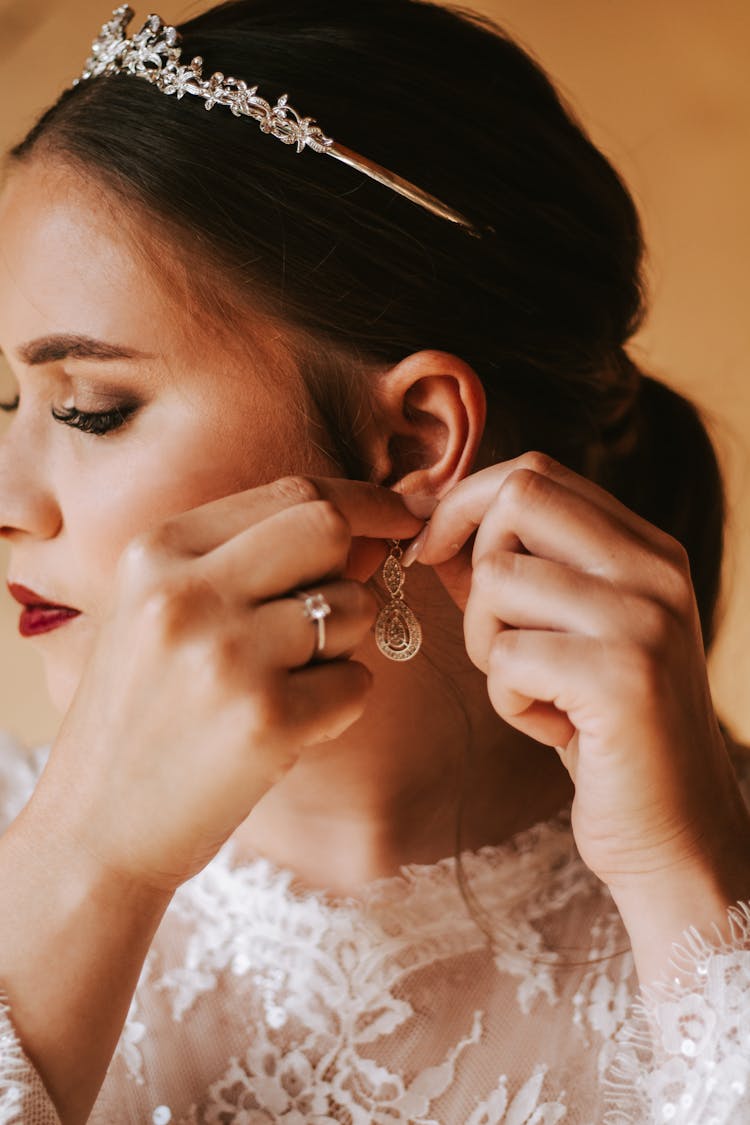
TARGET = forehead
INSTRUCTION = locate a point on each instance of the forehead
(71, 261)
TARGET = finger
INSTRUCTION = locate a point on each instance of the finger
(460, 513)
(524, 592)
(295, 547)
(545, 724)
(323, 700)
(365, 557)
(533, 676)
(536, 514)
(289, 639)
(369, 509)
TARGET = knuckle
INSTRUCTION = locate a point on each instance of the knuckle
(676, 581)
(504, 647)
(138, 558)
(677, 555)
(484, 574)
(636, 669)
(500, 662)
(298, 489)
(329, 522)
(540, 463)
(654, 624)
(522, 488)
(169, 606)
(219, 652)
(492, 568)
(239, 689)
(260, 716)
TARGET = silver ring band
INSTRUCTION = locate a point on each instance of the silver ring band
(316, 609)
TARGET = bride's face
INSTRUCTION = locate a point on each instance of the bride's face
(84, 323)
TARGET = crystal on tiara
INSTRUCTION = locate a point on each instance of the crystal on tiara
(155, 53)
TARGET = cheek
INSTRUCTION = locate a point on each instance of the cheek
(153, 480)
(137, 486)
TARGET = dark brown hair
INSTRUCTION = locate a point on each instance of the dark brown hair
(542, 308)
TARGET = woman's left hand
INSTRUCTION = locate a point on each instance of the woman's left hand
(583, 617)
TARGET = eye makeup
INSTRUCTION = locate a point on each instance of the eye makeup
(96, 422)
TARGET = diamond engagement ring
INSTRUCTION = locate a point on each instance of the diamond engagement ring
(316, 609)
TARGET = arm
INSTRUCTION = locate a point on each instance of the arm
(584, 619)
(73, 939)
(658, 912)
(145, 783)
(685, 1049)
(683, 1054)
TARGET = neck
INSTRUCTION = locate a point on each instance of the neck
(428, 766)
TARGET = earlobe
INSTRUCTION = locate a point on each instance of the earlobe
(430, 417)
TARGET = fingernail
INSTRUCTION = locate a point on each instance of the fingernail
(420, 504)
(413, 551)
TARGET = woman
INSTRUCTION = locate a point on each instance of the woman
(279, 367)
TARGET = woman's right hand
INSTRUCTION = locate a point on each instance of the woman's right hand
(199, 695)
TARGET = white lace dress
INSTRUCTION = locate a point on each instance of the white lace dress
(260, 1005)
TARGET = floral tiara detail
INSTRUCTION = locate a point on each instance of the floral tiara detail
(155, 53)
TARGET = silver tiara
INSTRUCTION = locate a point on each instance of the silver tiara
(154, 53)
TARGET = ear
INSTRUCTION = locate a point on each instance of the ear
(428, 421)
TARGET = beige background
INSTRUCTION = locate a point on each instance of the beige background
(663, 87)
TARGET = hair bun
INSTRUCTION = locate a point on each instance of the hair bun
(664, 467)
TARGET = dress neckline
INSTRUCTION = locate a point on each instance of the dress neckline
(538, 852)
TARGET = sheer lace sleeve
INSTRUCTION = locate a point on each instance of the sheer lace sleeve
(683, 1055)
(23, 1098)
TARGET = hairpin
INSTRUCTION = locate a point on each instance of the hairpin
(155, 53)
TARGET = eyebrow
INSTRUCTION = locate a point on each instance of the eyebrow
(51, 349)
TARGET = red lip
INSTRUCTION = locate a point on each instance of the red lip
(42, 619)
(39, 614)
(26, 596)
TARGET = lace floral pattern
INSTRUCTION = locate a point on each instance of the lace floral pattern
(327, 983)
(259, 1004)
(311, 1085)
(684, 1055)
(239, 917)
(524, 1109)
(23, 1099)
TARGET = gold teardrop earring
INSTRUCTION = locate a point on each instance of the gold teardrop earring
(397, 631)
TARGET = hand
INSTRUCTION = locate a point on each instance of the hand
(583, 617)
(198, 695)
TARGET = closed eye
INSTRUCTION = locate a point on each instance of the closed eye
(98, 422)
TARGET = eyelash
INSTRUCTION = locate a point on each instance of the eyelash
(99, 423)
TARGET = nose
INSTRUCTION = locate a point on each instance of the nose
(28, 505)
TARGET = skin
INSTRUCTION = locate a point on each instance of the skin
(552, 617)
(211, 425)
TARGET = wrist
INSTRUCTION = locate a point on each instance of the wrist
(658, 908)
(55, 852)
(76, 931)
